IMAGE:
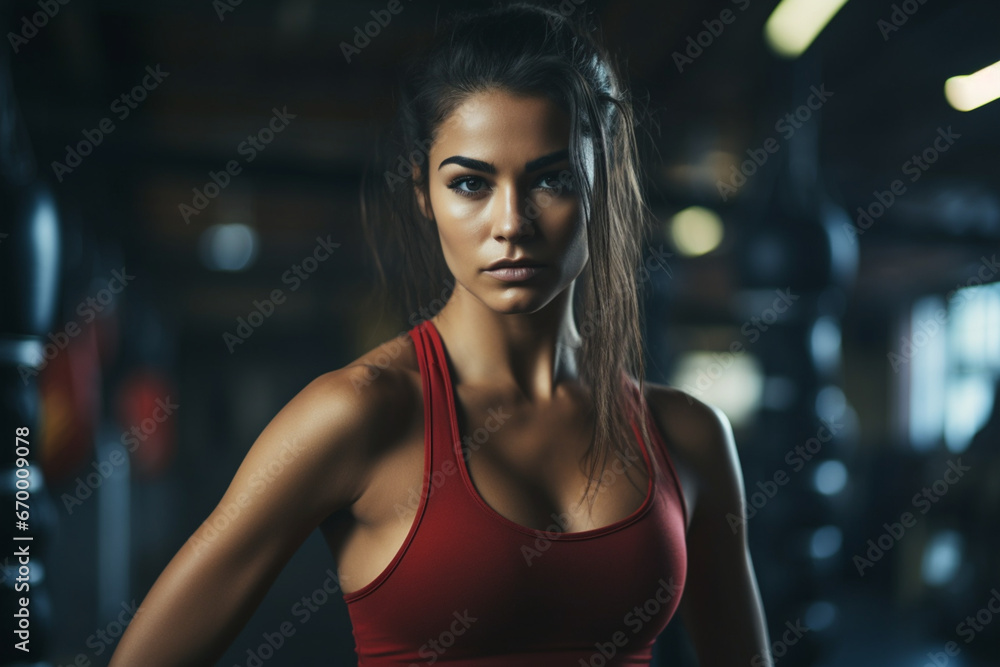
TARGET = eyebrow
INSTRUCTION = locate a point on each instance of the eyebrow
(479, 165)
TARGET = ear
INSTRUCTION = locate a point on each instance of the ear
(422, 201)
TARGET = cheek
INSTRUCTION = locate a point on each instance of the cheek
(459, 231)
(571, 238)
(578, 253)
(456, 246)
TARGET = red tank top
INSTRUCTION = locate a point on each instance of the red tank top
(468, 587)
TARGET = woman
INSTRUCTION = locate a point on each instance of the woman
(446, 467)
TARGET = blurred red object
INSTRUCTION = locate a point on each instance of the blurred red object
(69, 386)
(146, 409)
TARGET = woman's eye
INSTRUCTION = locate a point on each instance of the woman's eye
(470, 186)
(466, 180)
(558, 181)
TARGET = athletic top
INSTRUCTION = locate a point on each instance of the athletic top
(468, 587)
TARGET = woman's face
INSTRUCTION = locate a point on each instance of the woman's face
(501, 187)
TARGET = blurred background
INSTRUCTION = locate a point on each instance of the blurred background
(825, 181)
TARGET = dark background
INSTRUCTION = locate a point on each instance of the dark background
(859, 347)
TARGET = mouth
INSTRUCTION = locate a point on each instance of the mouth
(513, 263)
(515, 272)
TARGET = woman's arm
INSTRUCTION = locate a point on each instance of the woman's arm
(311, 460)
(721, 606)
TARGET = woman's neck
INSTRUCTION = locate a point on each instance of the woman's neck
(534, 352)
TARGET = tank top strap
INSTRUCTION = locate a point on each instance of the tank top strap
(660, 453)
(638, 412)
(440, 435)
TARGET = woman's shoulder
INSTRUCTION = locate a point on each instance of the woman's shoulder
(385, 373)
(385, 377)
(700, 440)
(374, 397)
(685, 415)
(327, 440)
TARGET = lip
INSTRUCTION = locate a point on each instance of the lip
(515, 273)
(520, 262)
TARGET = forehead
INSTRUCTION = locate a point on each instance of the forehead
(492, 124)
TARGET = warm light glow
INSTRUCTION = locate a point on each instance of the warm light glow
(696, 230)
(794, 24)
(971, 91)
(731, 382)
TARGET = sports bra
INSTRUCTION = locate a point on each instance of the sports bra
(470, 588)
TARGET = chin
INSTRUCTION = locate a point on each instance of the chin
(518, 300)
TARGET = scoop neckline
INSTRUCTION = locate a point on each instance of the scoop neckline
(441, 353)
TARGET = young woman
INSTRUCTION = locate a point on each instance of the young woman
(498, 486)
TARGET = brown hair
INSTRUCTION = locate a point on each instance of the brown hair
(525, 49)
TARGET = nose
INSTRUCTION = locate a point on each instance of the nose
(511, 222)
